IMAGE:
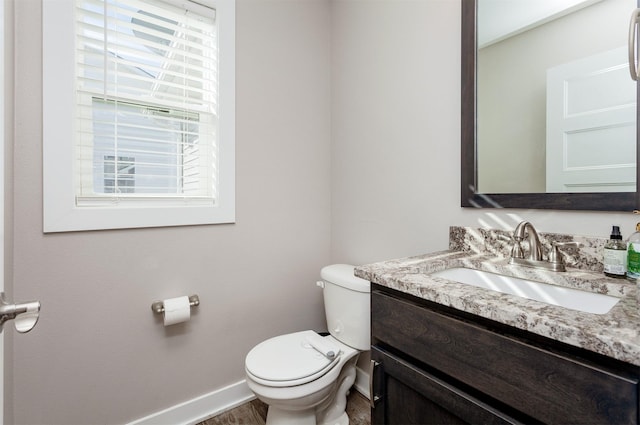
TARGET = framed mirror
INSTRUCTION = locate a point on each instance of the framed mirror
(528, 179)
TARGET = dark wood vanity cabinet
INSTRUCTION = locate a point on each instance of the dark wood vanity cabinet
(437, 365)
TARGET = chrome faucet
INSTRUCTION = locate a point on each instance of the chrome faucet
(535, 258)
(535, 251)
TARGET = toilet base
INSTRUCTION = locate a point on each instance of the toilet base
(342, 420)
(287, 417)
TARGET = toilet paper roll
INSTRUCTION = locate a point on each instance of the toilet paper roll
(176, 310)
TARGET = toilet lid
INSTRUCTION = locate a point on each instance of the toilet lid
(288, 358)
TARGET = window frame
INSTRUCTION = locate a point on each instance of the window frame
(61, 212)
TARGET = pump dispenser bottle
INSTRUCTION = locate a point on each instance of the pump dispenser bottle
(615, 255)
(633, 255)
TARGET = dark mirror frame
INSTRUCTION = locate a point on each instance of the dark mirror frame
(599, 201)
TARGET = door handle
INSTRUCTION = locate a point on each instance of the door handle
(633, 47)
(25, 314)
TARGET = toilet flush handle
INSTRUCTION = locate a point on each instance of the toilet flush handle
(320, 283)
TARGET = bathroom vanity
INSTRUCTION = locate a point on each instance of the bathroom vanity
(447, 352)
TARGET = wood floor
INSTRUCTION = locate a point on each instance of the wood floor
(255, 413)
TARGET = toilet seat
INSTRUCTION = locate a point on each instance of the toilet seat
(287, 360)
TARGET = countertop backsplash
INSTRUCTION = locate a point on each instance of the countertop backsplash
(499, 242)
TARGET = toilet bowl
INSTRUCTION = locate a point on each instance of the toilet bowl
(305, 377)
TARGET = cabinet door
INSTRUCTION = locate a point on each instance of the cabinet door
(409, 395)
(552, 386)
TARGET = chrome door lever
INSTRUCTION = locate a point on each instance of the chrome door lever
(25, 314)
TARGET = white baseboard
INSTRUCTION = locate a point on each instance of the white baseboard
(200, 408)
(362, 382)
(208, 405)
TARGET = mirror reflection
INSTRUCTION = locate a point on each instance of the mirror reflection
(556, 106)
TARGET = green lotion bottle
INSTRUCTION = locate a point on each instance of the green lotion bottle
(633, 255)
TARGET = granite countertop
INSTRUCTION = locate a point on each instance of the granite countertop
(615, 334)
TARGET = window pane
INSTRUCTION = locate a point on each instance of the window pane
(154, 149)
(122, 180)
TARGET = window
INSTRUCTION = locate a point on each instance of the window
(145, 137)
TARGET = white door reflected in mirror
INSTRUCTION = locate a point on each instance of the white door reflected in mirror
(512, 99)
(589, 101)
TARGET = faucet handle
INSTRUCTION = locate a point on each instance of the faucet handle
(572, 244)
(555, 256)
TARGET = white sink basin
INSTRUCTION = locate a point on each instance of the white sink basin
(575, 299)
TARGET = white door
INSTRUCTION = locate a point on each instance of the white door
(591, 125)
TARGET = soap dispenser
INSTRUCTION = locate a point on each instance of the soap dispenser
(633, 255)
(615, 255)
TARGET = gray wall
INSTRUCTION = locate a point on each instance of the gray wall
(395, 152)
(348, 144)
(395, 126)
(98, 354)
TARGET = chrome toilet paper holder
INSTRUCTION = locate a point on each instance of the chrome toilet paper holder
(158, 306)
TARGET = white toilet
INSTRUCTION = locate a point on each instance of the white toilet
(297, 375)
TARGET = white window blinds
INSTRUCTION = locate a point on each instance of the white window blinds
(146, 109)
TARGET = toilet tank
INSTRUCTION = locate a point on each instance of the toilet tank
(347, 306)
